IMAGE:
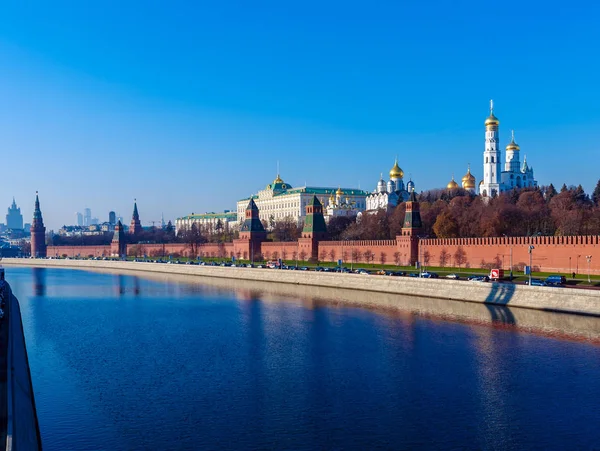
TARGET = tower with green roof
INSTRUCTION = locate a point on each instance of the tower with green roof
(314, 229)
(252, 233)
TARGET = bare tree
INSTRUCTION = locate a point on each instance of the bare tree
(332, 255)
(397, 257)
(444, 254)
(303, 255)
(460, 256)
(382, 258)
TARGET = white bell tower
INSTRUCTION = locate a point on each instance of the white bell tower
(492, 168)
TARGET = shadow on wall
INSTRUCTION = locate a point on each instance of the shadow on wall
(497, 301)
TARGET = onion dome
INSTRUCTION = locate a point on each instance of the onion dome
(492, 120)
(468, 181)
(410, 186)
(513, 146)
(396, 172)
(339, 192)
(452, 184)
(277, 180)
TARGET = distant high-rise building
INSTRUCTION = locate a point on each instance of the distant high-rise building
(14, 218)
(79, 217)
(87, 217)
(94, 221)
(112, 218)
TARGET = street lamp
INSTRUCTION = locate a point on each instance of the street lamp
(589, 260)
(531, 248)
(577, 266)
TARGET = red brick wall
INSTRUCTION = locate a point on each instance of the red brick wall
(83, 251)
(551, 253)
(354, 251)
(285, 250)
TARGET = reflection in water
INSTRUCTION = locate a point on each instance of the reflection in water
(39, 281)
(230, 365)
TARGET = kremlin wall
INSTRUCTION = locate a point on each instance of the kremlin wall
(554, 254)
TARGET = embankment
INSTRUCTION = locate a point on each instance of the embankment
(568, 300)
(22, 430)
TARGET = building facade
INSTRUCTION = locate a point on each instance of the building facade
(388, 195)
(209, 222)
(497, 179)
(14, 218)
(279, 201)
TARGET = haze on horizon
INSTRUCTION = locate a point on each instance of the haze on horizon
(189, 108)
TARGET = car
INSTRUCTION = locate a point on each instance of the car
(452, 276)
(536, 283)
(556, 280)
(479, 279)
(364, 272)
(319, 269)
(429, 275)
(304, 268)
(413, 274)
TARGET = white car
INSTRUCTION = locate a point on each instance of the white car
(453, 276)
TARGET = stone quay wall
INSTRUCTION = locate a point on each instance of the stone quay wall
(567, 300)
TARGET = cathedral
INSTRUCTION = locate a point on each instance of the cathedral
(515, 175)
(388, 195)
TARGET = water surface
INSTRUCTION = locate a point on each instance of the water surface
(124, 362)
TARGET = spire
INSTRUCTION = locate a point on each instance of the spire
(512, 140)
(37, 213)
(135, 210)
(491, 107)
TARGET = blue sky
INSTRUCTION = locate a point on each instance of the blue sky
(187, 106)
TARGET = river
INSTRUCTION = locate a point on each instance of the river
(129, 362)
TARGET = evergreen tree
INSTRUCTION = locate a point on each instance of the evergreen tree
(564, 188)
(550, 192)
(596, 194)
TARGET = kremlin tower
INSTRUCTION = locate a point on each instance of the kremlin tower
(136, 226)
(38, 231)
(119, 242)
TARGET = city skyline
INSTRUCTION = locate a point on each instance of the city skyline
(333, 97)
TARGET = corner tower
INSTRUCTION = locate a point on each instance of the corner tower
(136, 226)
(38, 231)
(491, 157)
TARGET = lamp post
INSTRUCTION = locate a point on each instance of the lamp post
(589, 260)
(531, 248)
(577, 265)
(511, 252)
(569, 265)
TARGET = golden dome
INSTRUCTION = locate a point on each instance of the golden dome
(512, 145)
(468, 181)
(396, 172)
(339, 192)
(492, 120)
(277, 180)
(452, 184)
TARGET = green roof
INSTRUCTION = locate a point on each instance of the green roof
(316, 190)
(231, 216)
